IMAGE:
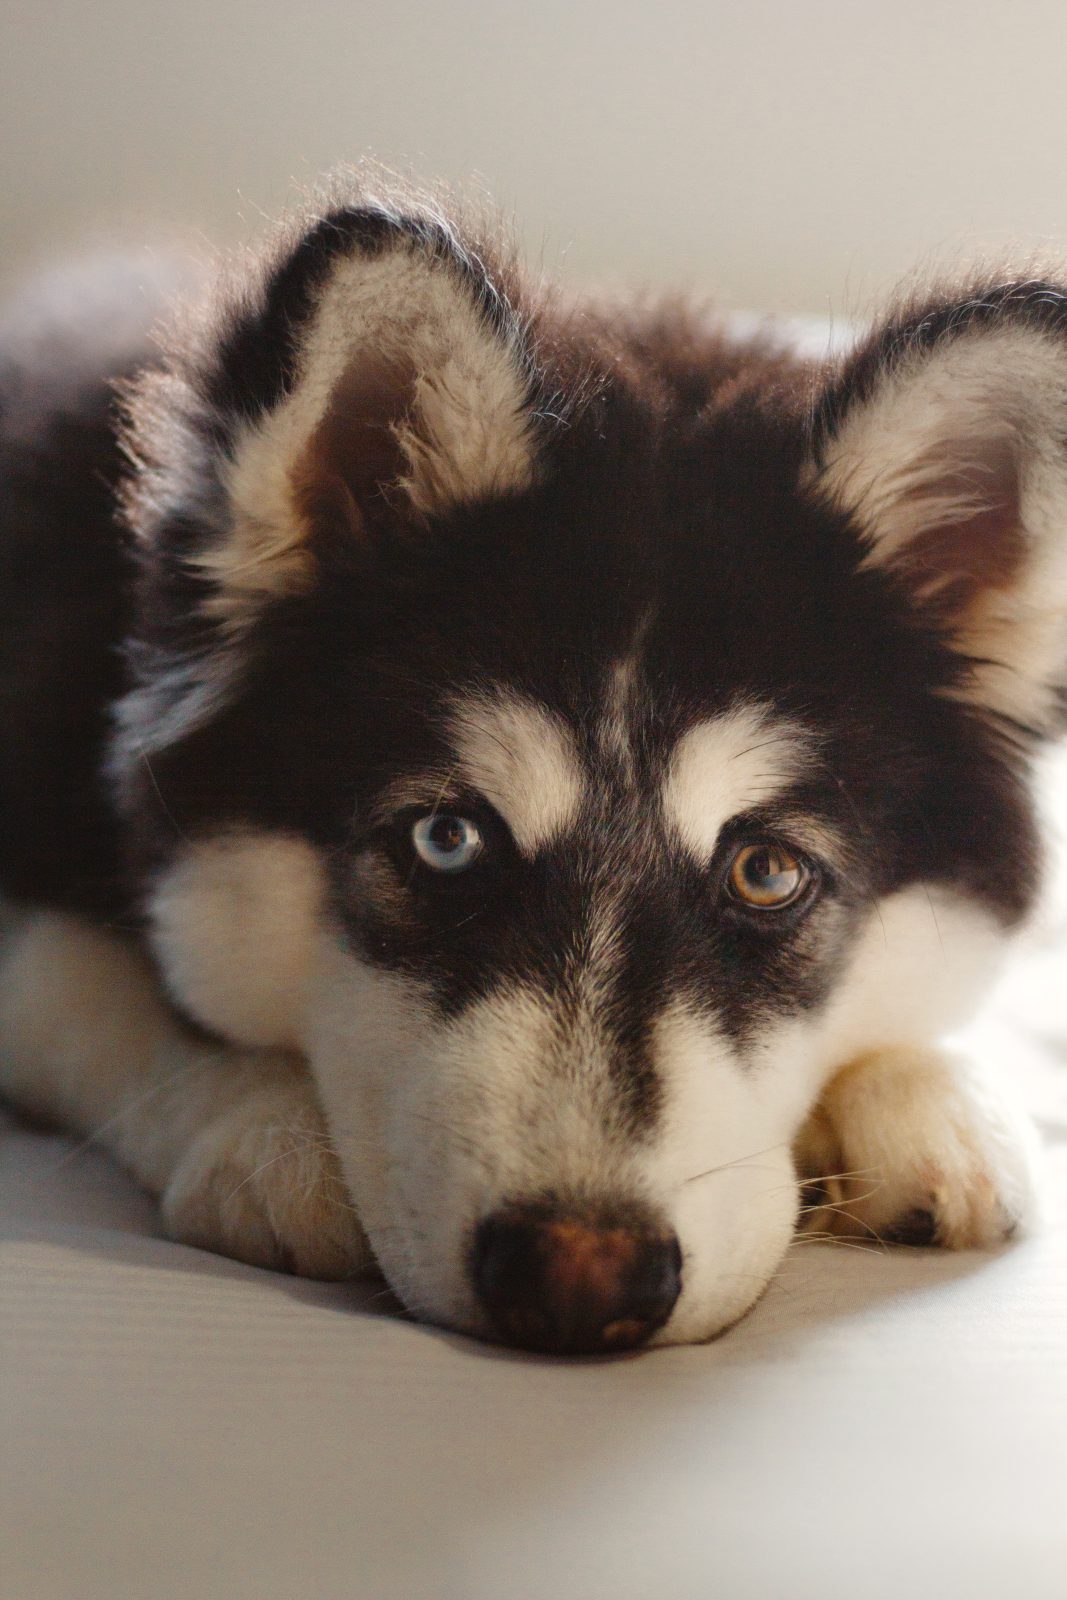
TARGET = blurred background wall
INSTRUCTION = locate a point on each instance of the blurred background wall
(786, 154)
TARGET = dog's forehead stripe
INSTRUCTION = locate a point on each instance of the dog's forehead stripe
(523, 760)
(728, 765)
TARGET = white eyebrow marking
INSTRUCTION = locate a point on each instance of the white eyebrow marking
(523, 760)
(729, 765)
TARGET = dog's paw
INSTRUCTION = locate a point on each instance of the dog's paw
(261, 1183)
(916, 1147)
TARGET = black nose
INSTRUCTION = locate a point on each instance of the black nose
(573, 1284)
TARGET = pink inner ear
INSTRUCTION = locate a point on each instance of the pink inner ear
(353, 456)
(967, 533)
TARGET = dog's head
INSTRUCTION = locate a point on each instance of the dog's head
(581, 736)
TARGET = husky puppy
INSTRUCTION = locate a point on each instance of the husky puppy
(506, 791)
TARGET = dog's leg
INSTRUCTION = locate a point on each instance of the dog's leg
(917, 1146)
(232, 1140)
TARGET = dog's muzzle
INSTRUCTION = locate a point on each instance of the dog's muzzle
(574, 1284)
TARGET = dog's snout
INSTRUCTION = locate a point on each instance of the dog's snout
(561, 1283)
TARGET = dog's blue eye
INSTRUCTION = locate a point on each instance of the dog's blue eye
(446, 843)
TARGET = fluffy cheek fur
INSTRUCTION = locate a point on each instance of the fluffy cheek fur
(232, 924)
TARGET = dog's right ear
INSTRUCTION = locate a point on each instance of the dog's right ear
(381, 370)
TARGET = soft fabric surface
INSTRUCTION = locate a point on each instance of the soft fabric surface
(886, 1423)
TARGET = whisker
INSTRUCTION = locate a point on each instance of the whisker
(874, 1242)
(828, 1205)
(828, 1177)
(92, 1140)
(281, 1155)
(142, 755)
(725, 1166)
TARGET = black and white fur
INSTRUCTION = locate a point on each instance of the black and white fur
(401, 534)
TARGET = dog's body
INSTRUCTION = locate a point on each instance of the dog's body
(586, 755)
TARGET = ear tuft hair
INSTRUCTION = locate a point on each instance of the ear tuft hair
(944, 437)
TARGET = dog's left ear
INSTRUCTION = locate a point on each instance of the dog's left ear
(945, 438)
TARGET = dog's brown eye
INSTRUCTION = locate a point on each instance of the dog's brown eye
(447, 843)
(767, 877)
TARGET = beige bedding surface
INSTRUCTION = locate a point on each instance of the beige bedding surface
(885, 1423)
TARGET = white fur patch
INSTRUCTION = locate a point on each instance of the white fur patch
(622, 699)
(918, 970)
(86, 1037)
(523, 760)
(938, 420)
(730, 765)
(615, 733)
(465, 435)
(439, 1123)
(233, 924)
(720, 1168)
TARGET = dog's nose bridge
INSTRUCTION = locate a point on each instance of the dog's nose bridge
(605, 1070)
(602, 1042)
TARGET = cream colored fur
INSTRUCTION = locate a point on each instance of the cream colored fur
(919, 1130)
(465, 435)
(233, 924)
(721, 767)
(432, 1123)
(937, 419)
(522, 759)
(232, 1141)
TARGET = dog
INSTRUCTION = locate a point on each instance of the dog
(515, 793)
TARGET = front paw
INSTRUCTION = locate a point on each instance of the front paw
(261, 1183)
(917, 1147)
